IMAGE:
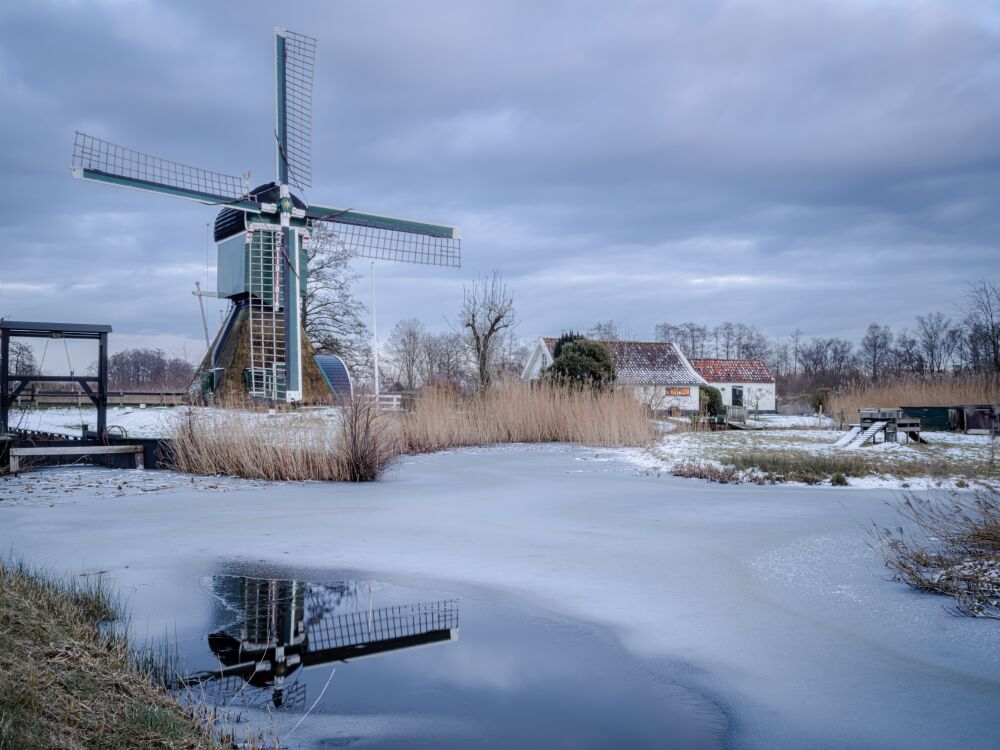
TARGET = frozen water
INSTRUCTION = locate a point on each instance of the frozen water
(768, 599)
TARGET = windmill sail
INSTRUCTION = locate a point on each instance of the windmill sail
(295, 56)
(103, 161)
(384, 237)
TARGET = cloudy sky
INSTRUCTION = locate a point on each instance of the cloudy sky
(800, 164)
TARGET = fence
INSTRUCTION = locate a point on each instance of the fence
(115, 398)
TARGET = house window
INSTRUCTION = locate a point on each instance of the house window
(737, 395)
(670, 391)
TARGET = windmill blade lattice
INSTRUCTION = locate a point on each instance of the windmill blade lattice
(101, 160)
(295, 106)
(380, 243)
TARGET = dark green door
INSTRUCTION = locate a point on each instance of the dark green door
(737, 395)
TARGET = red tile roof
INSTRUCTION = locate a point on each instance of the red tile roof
(645, 362)
(733, 370)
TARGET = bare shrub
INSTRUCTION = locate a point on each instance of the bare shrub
(367, 444)
(952, 547)
(712, 472)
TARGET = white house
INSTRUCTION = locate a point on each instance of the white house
(742, 382)
(656, 372)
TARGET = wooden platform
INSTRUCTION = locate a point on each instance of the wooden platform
(23, 449)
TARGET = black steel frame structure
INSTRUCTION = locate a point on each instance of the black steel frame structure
(11, 384)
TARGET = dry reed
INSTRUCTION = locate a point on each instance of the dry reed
(359, 448)
(366, 441)
(951, 547)
(943, 390)
(520, 413)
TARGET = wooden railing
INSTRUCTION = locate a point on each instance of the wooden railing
(115, 398)
(736, 414)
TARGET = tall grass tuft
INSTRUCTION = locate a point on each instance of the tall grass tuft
(66, 681)
(939, 390)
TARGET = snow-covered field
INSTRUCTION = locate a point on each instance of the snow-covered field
(158, 421)
(948, 459)
(769, 601)
(786, 421)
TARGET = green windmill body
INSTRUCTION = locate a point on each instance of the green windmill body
(263, 237)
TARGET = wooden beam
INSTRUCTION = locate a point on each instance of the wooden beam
(83, 450)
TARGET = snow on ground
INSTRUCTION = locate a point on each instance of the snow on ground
(769, 600)
(158, 421)
(780, 421)
(73, 484)
(947, 459)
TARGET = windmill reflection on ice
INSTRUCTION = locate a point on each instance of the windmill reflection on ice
(284, 625)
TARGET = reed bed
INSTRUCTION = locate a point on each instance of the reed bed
(951, 546)
(365, 442)
(358, 448)
(520, 413)
(940, 390)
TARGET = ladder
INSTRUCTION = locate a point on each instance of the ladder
(848, 436)
(266, 375)
(869, 434)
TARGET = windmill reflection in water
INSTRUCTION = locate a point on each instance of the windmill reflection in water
(287, 625)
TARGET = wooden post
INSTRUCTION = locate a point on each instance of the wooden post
(102, 387)
(4, 381)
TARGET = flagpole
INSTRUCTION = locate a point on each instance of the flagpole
(374, 336)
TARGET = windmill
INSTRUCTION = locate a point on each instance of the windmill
(262, 237)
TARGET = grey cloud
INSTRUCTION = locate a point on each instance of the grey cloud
(770, 162)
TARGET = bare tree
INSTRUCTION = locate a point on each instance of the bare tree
(906, 355)
(796, 341)
(331, 314)
(932, 334)
(982, 312)
(690, 337)
(442, 358)
(22, 359)
(487, 311)
(755, 397)
(875, 349)
(609, 330)
(148, 370)
(405, 349)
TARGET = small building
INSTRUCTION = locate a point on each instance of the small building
(742, 382)
(655, 372)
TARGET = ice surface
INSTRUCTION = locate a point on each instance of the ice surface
(771, 594)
